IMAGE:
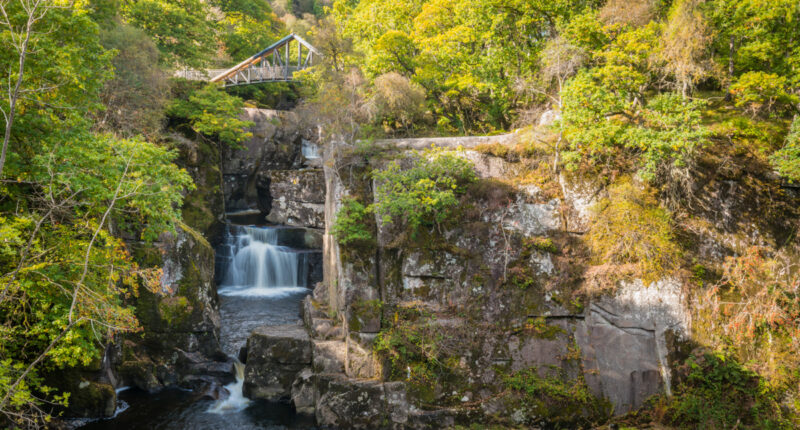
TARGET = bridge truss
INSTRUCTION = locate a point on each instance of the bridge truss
(276, 63)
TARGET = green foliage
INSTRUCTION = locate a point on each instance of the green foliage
(571, 400)
(412, 346)
(602, 125)
(787, 159)
(244, 35)
(718, 392)
(353, 224)
(211, 111)
(180, 28)
(66, 281)
(630, 228)
(763, 93)
(426, 193)
(467, 55)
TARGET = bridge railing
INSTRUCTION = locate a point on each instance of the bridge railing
(197, 75)
(262, 74)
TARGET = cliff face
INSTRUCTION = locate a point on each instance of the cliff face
(498, 291)
(270, 178)
(505, 299)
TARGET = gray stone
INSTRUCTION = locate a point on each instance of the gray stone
(348, 403)
(303, 392)
(396, 402)
(270, 381)
(275, 355)
(298, 197)
(329, 356)
(281, 344)
(623, 342)
(361, 363)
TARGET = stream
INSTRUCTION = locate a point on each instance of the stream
(263, 283)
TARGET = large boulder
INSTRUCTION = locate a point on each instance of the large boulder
(275, 355)
(298, 197)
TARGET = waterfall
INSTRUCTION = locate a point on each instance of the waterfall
(309, 150)
(236, 401)
(259, 267)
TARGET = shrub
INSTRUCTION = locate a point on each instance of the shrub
(787, 160)
(719, 393)
(630, 228)
(424, 194)
(555, 400)
(352, 224)
(762, 93)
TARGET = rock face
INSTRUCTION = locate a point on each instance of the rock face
(298, 197)
(276, 145)
(180, 319)
(275, 356)
(497, 292)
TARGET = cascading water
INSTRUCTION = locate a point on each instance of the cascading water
(260, 267)
(309, 150)
(236, 401)
(259, 272)
(261, 282)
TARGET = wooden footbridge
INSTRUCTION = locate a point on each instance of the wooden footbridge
(275, 63)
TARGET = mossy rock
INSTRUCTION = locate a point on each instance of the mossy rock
(175, 310)
(141, 374)
(87, 397)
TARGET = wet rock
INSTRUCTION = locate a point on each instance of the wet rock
(275, 355)
(275, 145)
(216, 392)
(140, 374)
(89, 398)
(303, 392)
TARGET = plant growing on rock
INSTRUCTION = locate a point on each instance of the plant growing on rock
(426, 193)
(351, 226)
(629, 228)
(787, 160)
(717, 392)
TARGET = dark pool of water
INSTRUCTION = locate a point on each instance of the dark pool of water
(178, 409)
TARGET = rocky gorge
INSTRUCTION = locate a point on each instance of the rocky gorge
(496, 318)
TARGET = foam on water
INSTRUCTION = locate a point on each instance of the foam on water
(272, 292)
(236, 401)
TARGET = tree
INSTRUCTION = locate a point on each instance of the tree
(64, 275)
(45, 71)
(213, 112)
(397, 99)
(181, 29)
(787, 159)
(134, 99)
(686, 40)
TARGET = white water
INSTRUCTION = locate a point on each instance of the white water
(260, 267)
(309, 150)
(236, 401)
